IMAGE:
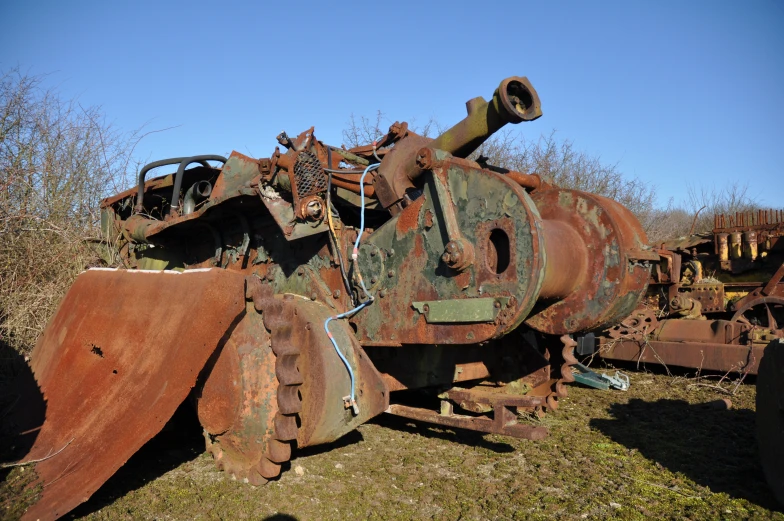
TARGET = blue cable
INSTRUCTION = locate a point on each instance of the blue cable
(354, 254)
(362, 210)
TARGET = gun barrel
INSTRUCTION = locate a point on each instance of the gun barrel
(514, 100)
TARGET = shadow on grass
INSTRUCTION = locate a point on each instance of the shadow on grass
(179, 442)
(349, 439)
(22, 407)
(22, 412)
(714, 448)
(429, 430)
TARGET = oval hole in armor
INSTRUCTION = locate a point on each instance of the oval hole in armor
(498, 254)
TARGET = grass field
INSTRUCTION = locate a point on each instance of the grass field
(655, 451)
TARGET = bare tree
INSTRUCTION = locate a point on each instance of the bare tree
(57, 160)
(364, 131)
(696, 214)
(560, 162)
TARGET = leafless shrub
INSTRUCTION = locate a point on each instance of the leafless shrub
(364, 131)
(725, 200)
(57, 160)
(696, 215)
(559, 161)
(668, 223)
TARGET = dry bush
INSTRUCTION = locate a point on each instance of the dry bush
(559, 161)
(727, 200)
(696, 215)
(668, 223)
(364, 131)
(57, 160)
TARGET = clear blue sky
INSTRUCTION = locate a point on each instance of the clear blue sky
(675, 92)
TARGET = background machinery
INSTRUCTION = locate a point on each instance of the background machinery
(715, 300)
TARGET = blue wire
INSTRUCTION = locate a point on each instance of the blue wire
(335, 344)
(361, 282)
(362, 210)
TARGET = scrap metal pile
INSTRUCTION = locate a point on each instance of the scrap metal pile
(714, 302)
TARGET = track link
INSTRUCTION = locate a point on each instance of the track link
(565, 373)
(259, 460)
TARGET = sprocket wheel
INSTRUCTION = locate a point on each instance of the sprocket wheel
(641, 323)
(250, 401)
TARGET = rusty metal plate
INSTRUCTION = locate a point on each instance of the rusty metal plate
(703, 355)
(119, 356)
(710, 295)
(403, 261)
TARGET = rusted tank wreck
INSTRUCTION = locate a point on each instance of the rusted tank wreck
(295, 297)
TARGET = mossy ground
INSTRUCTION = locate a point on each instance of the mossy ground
(652, 452)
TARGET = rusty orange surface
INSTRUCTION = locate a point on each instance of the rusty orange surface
(120, 355)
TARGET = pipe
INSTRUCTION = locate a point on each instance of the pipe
(178, 177)
(724, 248)
(195, 193)
(530, 181)
(750, 249)
(155, 164)
(736, 240)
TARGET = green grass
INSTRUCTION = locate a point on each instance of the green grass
(652, 452)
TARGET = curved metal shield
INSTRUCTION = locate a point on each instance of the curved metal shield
(119, 356)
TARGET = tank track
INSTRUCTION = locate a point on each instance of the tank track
(565, 373)
(280, 319)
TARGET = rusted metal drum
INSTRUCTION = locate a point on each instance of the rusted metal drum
(594, 269)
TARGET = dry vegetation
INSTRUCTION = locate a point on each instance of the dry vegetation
(57, 160)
